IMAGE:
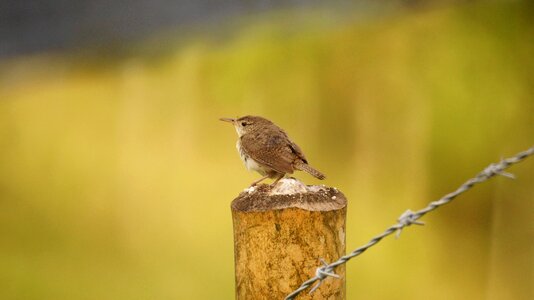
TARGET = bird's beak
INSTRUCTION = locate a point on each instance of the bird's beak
(229, 120)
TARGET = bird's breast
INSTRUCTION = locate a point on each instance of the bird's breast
(250, 163)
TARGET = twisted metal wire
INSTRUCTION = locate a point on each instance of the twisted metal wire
(409, 217)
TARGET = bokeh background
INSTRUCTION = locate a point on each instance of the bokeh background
(116, 176)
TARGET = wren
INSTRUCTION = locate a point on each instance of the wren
(266, 149)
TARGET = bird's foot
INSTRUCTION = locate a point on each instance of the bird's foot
(276, 181)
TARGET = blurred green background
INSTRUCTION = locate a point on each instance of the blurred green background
(116, 176)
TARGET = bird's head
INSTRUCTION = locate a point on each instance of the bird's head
(247, 124)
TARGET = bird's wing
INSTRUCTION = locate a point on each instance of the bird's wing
(296, 150)
(273, 150)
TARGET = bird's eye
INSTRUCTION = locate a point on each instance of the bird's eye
(244, 123)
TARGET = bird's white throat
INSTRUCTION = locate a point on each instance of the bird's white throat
(239, 130)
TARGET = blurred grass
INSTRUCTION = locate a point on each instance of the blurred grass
(116, 177)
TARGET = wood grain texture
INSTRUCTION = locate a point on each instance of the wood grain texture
(279, 239)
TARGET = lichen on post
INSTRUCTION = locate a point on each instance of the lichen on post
(280, 235)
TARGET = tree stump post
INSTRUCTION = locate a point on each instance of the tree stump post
(280, 235)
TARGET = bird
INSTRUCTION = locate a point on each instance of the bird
(266, 148)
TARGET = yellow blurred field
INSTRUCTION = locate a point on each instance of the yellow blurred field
(116, 176)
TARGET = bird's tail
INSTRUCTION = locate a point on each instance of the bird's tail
(308, 169)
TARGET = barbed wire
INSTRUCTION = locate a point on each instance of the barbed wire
(409, 218)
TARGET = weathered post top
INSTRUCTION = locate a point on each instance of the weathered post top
(289, 193)
(280, 235)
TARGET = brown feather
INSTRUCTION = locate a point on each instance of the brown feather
(273, 150)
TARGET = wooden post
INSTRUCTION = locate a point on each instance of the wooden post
(280, 235)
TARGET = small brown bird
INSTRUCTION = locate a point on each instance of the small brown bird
(266, 149)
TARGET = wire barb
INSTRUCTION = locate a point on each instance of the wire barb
(322, 273)
(497, 169)
(409, 217)
(406, 219)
